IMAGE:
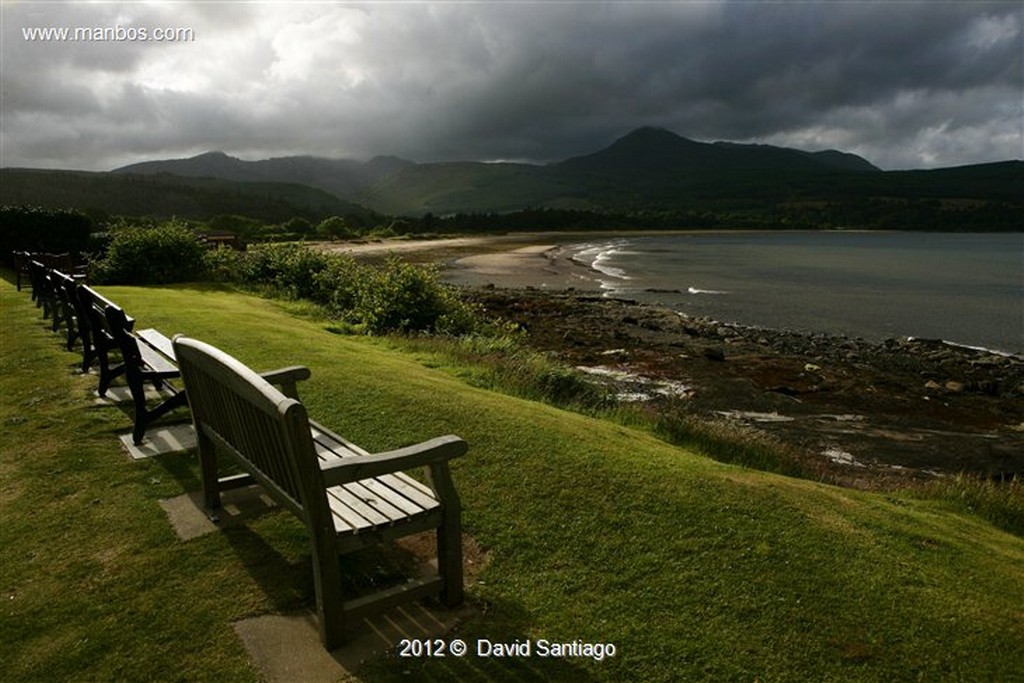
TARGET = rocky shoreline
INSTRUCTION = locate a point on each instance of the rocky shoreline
(865, 410)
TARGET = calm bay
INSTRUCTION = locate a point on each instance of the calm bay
(964, 288)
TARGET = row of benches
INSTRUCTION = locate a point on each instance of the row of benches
(105, 332)
(347, 498)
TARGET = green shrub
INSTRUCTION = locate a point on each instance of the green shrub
(394, 297)
(223, 264)
(401, 297)
(335, 227)
(290, 268)
(140, 256)
(338, 285)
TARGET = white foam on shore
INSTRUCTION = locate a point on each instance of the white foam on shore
(982, 349)
(694, 290)
(596, 256)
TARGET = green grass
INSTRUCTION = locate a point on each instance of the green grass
(694, 569)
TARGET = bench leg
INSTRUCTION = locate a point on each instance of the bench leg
(449, 559)
(449, 536)
(208, 466)
(327, 583)
(144, 416)
(107, 373)
(87, 354)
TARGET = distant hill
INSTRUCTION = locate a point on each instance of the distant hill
(655, 169)
(649, 170)
(340, 177)
(648, 166)
(165, 195)
(656, 151)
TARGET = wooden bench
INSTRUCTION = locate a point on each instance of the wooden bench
(148, 358)
(42, 292)
(347, 498)
(67, 310)
(97, 339)
(21, 266)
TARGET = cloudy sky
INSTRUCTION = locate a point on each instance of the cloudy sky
(904, 84)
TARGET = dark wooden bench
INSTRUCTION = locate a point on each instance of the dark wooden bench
(21, 264)
(67, 310)
(97, 340)
(347, 498)
(148, 358)
(36, 265)
(42, 292)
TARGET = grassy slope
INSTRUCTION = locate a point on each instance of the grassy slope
(692, 568)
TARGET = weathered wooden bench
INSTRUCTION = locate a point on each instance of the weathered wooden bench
(21, 266)
(97, 340)
(42, 291)
(347, 498)
(148, 358)
(66, 295)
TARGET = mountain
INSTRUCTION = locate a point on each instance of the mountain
(647, 166)
(341, 177)
(645, 172)
(652, 169)
(658, 151)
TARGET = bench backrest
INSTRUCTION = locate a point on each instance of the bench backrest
(94, 306)
(266, 432)
(117, 326)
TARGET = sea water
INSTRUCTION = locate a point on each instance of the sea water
(964, 288)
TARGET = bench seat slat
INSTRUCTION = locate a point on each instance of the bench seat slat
(388, 493)
(353, 508)
(334, 440)
(327, 449)
(157, 362)
(379, 504)
(410, 489)
(370, 503)
(399, 488)
(158, 341)
(346, 519)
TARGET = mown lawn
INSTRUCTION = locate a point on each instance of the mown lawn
(695, 570)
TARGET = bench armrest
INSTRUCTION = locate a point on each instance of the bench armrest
(430, 452)
(285, 378)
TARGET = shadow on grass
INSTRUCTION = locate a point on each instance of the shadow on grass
(287, 584)
(274, 552)
(183, 467)
(498, 621)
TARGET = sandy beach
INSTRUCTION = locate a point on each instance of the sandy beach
(508, 261)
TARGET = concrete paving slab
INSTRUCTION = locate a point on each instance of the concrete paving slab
(288, 648)
(160, 440)
(239, 506)
(119, 394)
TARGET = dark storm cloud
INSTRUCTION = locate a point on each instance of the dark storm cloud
(904, 84)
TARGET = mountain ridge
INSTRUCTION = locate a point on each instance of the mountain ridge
(658, 149)
(338, 176)
(647, 165)
(646, 170)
